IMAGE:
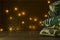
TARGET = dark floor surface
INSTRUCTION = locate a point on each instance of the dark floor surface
(25, 35)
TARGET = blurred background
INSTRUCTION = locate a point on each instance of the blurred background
(23, 15)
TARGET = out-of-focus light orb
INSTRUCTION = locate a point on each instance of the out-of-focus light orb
(6, 11)
(17, 28)
(19, 14)
(49, 1)
(15, 8)
(45, 15)
(35, 19)
(30, 27)
(30, 18)
(34, 27)
(10, 18)
(1, 29)
(22, 22)
(40, 22)
(23, 13)
(10, 29)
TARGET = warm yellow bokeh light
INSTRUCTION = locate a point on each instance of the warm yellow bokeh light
(35, 19)
(40, 22)
(30, 27)
(10, 29)
(23, 13)
(19, 14)
(1, 29)
(10, 18)
(48, 1)
(30, 18)
(6, 11)
(17, 29)
(33, 27)
(46, 15)
(15, 8)
(22, 22)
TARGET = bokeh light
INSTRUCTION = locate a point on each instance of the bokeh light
(19, 14)
(45, 15)
(22, 22)
(6, 11)
(30, 18)
(15, 8)
(11, 18)
(40, 22)
(35, 19)
(23, 13)
(48, 1)
(1, 29)
(30, 27)
(17, 28)
(34, 27)
(10, 29)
